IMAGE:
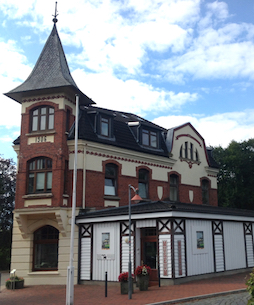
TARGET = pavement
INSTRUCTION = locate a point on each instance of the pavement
(222, 290)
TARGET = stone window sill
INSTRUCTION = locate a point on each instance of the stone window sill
(38, 196)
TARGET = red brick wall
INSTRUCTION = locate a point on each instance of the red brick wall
(95, 190)
(57, 151)
(94, 195)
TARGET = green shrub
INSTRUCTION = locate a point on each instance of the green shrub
(17, 282)
(250, 288)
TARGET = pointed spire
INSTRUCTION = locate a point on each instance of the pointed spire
(51, 73)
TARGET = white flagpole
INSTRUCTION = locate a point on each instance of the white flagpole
(70, 269)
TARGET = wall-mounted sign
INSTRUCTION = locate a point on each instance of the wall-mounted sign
(105, 244)
(200, 240)
(165, 258)
(180, 265)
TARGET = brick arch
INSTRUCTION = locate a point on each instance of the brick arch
(112, 161)
(52, 156)
(207, 179)
(42, 103)
(175, 173)
(138, 168)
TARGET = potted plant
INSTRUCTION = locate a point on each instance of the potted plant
(14, 283)
(123, 279)
(142, 273)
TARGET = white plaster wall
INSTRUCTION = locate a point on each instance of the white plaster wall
(22, 254)
(61, 102)
(191, 175)
(102, 153)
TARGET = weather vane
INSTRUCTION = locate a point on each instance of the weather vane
(55, 19)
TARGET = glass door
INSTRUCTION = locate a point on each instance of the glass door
(149, 251)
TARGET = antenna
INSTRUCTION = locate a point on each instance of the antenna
(55, 19)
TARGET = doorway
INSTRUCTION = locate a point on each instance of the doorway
(149, 252)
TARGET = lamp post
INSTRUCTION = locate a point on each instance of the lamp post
(135, 198)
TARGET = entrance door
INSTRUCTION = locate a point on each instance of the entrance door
(149, 251)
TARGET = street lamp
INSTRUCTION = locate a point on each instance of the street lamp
(136, 198)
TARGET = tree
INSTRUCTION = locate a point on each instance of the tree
(236, 175)
(7, 197)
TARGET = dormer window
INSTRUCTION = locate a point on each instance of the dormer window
(149, 138)
(42, 118)
(105, 125)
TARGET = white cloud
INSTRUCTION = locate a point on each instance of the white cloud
(218, 129)
(129, 95)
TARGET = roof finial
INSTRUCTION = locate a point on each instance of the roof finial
(55, 20)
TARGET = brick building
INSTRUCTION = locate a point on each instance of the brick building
(173, 170)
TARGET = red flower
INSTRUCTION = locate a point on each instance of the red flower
(123, 277)
(143, 270)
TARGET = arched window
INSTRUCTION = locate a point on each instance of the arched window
(45, 249)
(40, 175)
(173, 187)
(110, 186)
(143, 179)
(42, 118)
(205, 191)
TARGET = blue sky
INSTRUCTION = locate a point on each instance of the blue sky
(170, 61)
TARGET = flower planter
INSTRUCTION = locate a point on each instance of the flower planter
(125, 287)
(143, 282)
(17, 284)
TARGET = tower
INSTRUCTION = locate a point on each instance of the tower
(43, 191)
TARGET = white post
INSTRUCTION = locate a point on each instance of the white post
(70, 270)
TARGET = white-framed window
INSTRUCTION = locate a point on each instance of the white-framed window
(42, 119)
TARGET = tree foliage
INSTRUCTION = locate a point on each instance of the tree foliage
(236, 175)
(7, 197)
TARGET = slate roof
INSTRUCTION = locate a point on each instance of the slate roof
(123, 135)
(50, 74)
(164, 206)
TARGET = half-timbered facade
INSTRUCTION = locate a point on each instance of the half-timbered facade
(177, 240)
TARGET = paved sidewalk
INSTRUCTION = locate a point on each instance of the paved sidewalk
(240, 298)
(95, 294)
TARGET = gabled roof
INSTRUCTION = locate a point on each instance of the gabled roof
(50, 74)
